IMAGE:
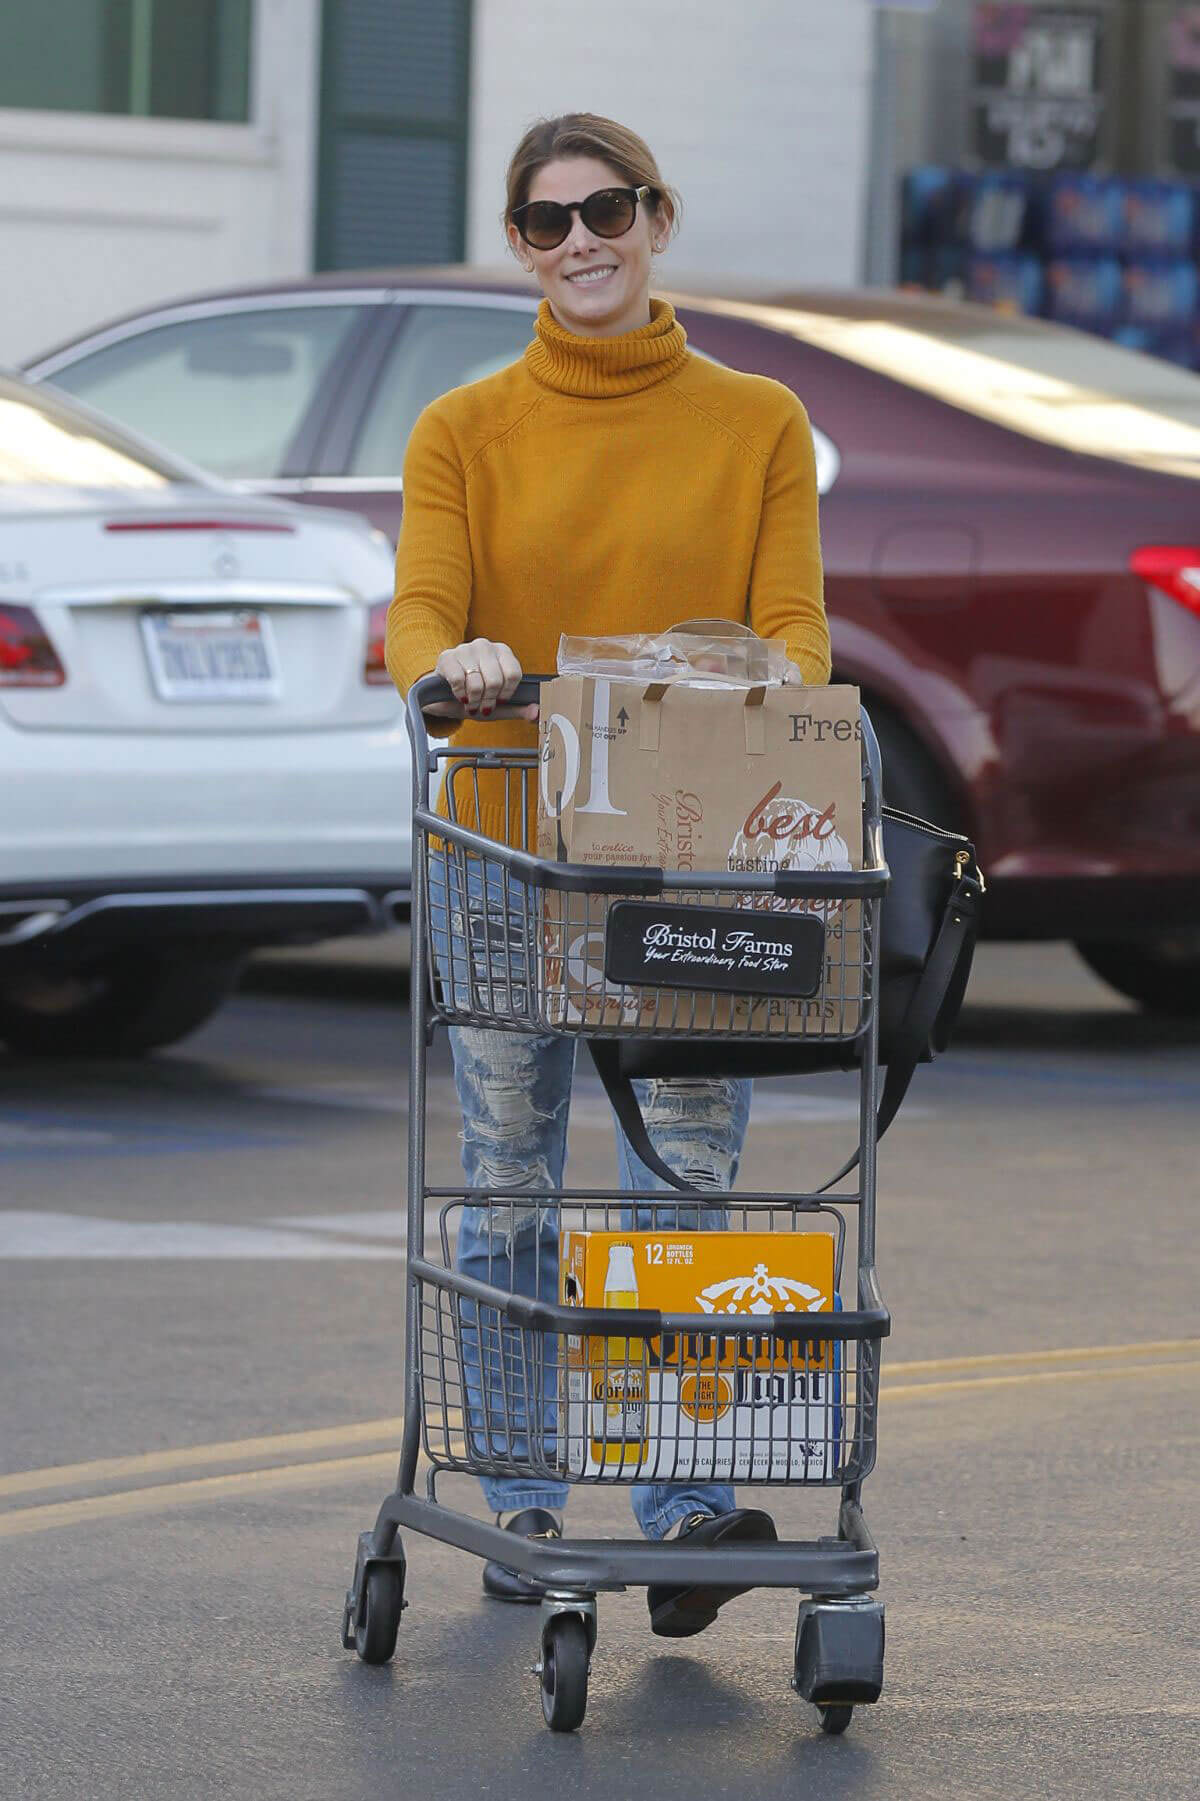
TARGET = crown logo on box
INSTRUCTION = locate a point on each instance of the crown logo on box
(761, 1293)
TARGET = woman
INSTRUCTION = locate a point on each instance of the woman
(609, 482)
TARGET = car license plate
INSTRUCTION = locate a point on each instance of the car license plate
(211, 656)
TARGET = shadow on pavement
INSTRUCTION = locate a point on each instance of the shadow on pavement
(361, 983)
(1098, 1031)
(983, 1024)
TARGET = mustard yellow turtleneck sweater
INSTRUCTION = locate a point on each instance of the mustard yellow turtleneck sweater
(598, 486)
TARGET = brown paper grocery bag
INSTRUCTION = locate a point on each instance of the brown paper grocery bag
(704, 778)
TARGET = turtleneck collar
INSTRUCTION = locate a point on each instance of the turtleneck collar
(599, 367)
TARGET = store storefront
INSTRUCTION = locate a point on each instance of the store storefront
(1056, 169)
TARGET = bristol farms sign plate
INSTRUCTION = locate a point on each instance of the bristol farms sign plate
(668, 946)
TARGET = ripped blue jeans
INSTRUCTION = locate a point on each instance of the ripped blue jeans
(514, 1091)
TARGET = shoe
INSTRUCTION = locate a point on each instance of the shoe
(504, 1584)
(681, 1612)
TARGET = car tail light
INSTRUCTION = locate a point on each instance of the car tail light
(27, 657)
(375, 668)
(1175, 568)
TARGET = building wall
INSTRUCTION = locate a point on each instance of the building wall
(757, 112)
(100, 215)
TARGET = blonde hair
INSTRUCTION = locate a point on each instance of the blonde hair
(589, 134)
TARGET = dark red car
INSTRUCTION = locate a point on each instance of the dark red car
(1010, 518)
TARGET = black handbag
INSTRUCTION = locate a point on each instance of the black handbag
(930, 922)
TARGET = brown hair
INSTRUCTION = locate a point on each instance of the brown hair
(588, 134)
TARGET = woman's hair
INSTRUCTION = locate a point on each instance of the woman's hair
(588, 134)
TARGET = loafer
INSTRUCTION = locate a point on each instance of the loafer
(682, 1612)
(504, 1584)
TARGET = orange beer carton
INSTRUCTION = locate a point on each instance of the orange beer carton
(725, 1409)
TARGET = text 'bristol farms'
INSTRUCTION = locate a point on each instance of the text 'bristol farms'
(733, 949)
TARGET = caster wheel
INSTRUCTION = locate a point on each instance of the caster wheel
(835, 1718)
(383, 1598)
(564, 1673)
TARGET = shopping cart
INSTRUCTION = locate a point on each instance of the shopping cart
(496, 935)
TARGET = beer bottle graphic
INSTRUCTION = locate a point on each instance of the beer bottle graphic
(619, 1393)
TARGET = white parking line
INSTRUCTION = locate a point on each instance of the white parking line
(349, 1096)
(26, 1235)
(388, 1224)
(15, 1136)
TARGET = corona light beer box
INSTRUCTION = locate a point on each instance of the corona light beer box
(693, 777)
(700, 1406)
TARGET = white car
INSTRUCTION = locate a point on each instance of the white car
(200, 749)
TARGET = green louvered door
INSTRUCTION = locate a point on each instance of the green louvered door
(393, 152)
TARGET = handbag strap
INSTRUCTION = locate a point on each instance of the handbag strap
(606, 1055)
(939, 992)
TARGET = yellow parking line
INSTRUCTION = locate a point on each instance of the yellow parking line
(890, 1392)
(1081, 1353)
(162, 1497)
(336, 1438)
(234, 1450)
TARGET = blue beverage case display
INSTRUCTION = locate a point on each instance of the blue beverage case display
(1134, 337)
(1015, 284)
(1084, 213)
(927, 206)
(1160, 219)
(940, 269)
(915, 267)
(1173, 344)
(948, 269)
(1085, 291)
(998, 213)
(1120, 257)
(1161, 295)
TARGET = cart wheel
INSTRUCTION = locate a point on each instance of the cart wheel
(564, 1672)
(383, 1598)
(835, 1718)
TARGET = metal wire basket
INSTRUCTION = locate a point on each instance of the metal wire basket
(518, 1385)
(521, 943)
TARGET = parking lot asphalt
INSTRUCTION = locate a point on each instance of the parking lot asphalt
(201, 1294)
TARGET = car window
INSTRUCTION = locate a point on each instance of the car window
(45, 441)
(227, 391)
(439, 347)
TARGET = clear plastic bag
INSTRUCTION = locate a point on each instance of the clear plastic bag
(698, 653)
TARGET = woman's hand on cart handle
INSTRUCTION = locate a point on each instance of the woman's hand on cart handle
(482, 676)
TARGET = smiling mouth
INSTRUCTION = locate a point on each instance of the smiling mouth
(586, 276)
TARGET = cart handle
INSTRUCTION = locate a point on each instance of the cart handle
(643, 1322)
(431, 690)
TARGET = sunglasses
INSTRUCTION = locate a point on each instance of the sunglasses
(608, 213)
